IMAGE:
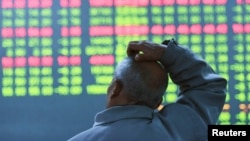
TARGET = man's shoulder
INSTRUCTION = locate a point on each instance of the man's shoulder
(82, 136)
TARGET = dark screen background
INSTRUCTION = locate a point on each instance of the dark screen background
(57, 57)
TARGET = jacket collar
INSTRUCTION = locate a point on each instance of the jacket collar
(117, 113)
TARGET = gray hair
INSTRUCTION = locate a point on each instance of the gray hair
(139, 83)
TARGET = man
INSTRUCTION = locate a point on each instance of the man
(139, 83)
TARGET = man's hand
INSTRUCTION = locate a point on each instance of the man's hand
(145, 50)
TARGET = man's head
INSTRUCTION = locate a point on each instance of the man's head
(138, 83)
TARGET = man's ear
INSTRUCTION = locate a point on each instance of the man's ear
(117, 88)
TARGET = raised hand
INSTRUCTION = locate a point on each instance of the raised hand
(145, 50)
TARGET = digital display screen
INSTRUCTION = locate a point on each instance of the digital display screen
(58, 56)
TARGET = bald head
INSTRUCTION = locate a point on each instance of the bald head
(143, 82)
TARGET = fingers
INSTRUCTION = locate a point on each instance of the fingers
(145, 50)
(139, 50)
(142, 57)
(134, 47)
